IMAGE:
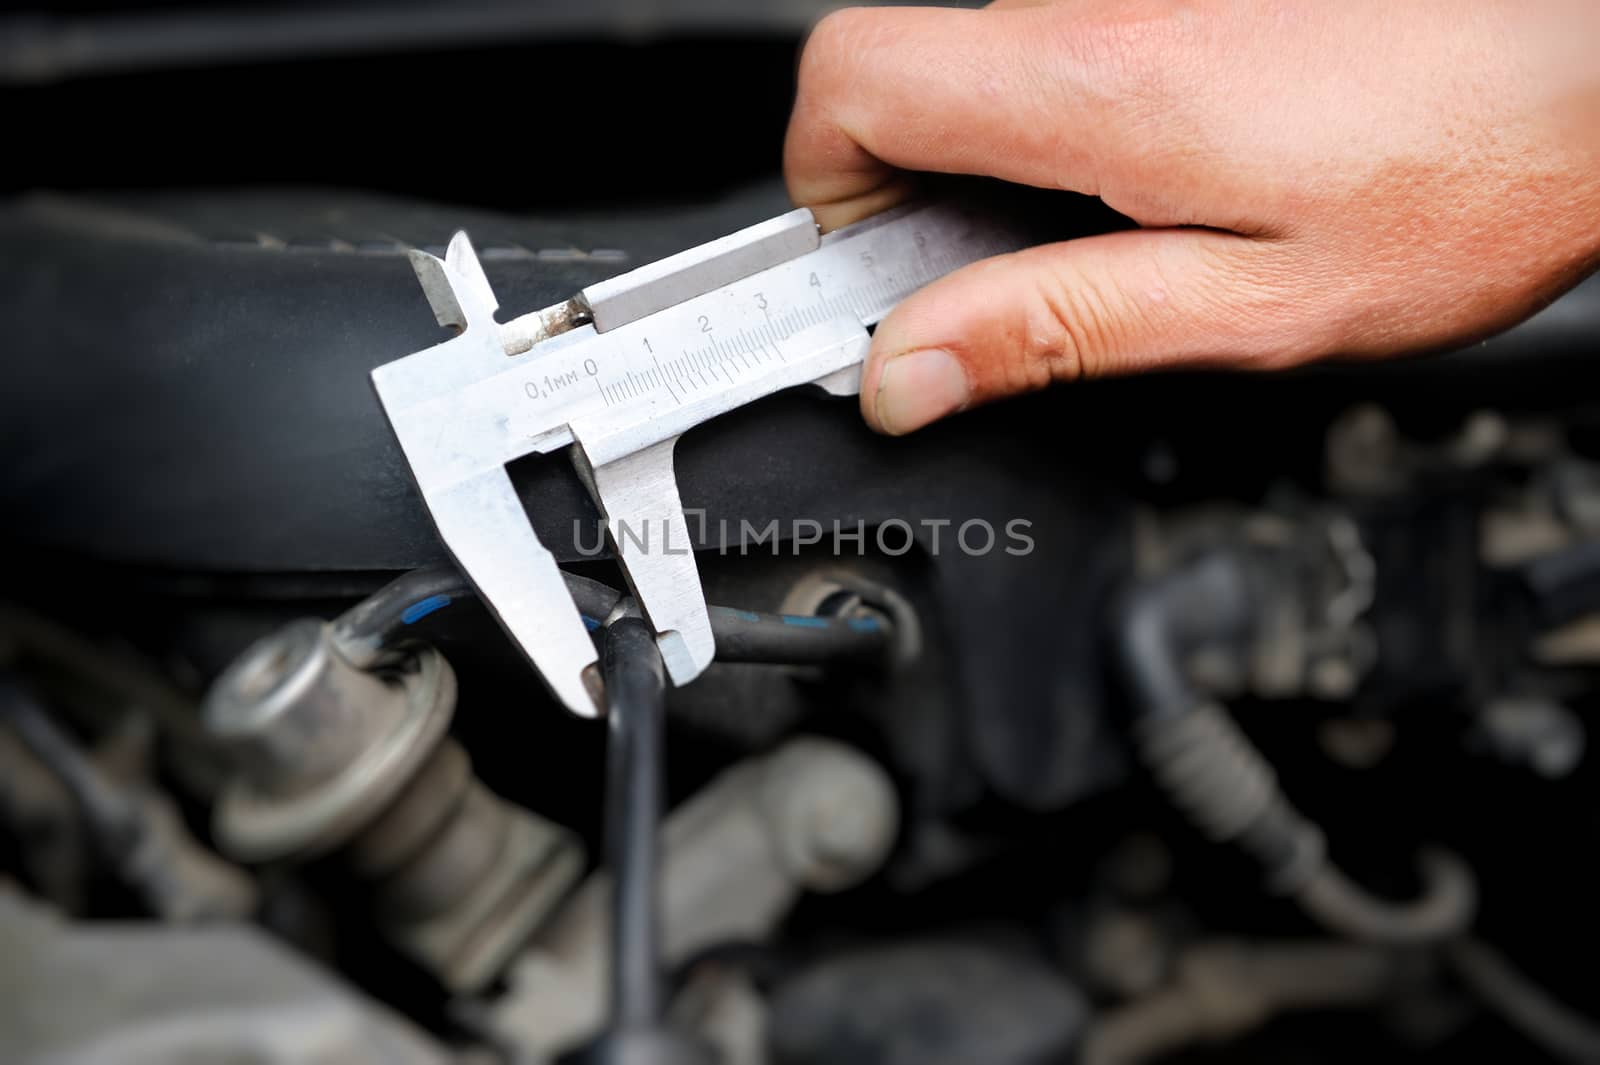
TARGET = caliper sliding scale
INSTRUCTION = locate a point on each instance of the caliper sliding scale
(616, 375)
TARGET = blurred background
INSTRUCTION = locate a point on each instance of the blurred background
(1273, 748)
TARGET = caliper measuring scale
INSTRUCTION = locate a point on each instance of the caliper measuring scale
(615, 375)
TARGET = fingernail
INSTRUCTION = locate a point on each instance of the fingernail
(920, 387)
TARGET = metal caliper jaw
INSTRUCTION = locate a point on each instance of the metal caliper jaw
(464, 408)
(627, 466)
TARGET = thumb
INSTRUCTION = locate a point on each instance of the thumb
(1116, 303)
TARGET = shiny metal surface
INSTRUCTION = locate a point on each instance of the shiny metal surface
(623, 387)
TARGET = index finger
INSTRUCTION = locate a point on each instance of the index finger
(1018, 93)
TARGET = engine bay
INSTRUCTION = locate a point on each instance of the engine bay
(1187, 717)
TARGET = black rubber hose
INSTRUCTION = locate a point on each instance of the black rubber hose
(383, 618)
(1161, 620)
(635, 697)
(406, 599)
(798, 639)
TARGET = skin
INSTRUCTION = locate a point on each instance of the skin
(1311, 179)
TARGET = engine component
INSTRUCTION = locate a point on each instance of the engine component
(334, 757)
(1225, 989)
(941, 1003)
(863, 604)
(814, 815)
(1218, 779)
(1416, 660)
(137, 833)
(1540, 735)
(221, 992)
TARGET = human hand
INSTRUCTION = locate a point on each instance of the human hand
(1357, 178)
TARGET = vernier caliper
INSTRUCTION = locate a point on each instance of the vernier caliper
(616, 375)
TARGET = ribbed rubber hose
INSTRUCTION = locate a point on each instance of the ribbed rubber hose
(1218, 779)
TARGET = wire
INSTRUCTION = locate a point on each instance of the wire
(138, 835)
(1560, 1030)
(798, 639)
(385, 618)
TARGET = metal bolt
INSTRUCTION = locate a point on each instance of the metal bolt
(295, 712)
